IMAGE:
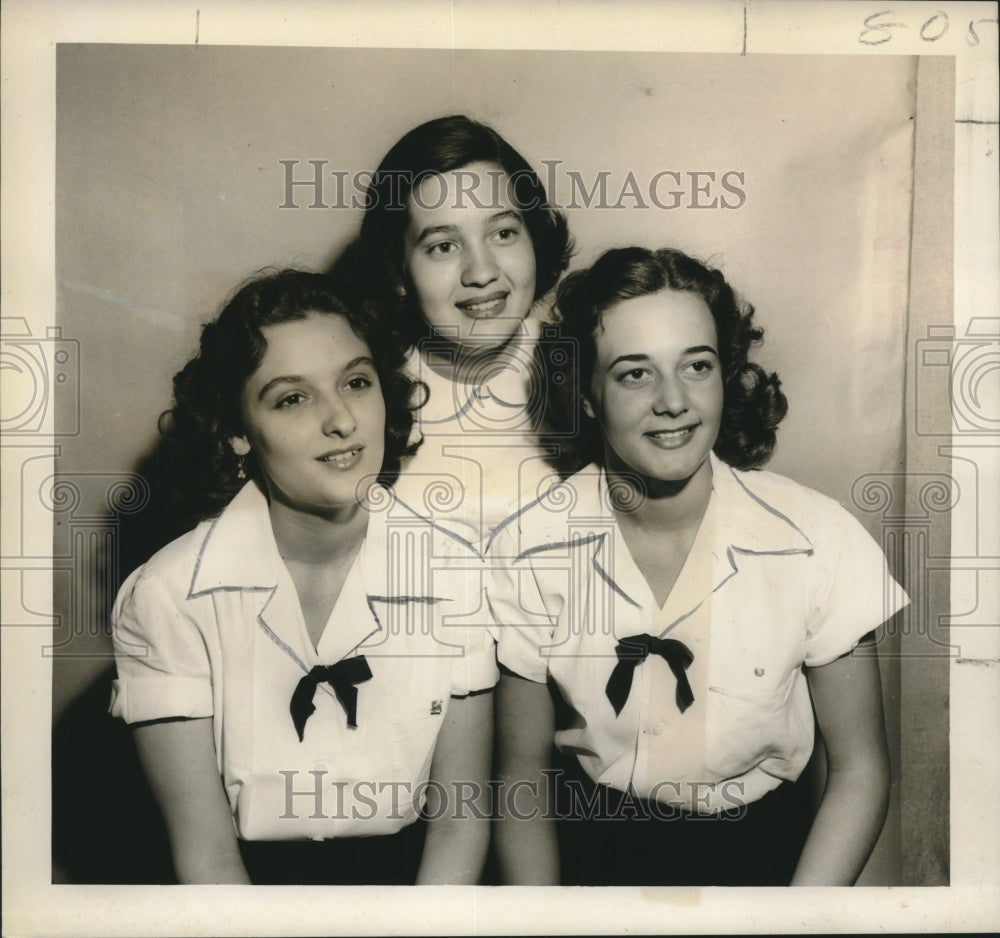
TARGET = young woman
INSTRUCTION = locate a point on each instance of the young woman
(691, 615)
(459, 234)
(302, 668)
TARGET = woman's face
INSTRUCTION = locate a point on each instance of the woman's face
(468, 257)
(313, 415)
(656, 391)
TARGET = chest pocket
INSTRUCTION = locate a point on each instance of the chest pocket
(752, 719)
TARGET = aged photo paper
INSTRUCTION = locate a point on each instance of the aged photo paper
(836, 160)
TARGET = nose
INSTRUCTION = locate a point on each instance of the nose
(480, 266)
(338, 420)
(671, 397)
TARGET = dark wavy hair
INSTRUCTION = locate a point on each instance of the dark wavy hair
(206, 406)
(753, 404)
(436, 147)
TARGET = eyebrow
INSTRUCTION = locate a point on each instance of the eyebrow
(431, 230)
(296, 379)
(434, 230)
(639, 357)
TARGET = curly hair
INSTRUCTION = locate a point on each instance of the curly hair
(206, 407)
(434, 148)
(753, 404)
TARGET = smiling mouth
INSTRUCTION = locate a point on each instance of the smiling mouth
(489, 305)
(343, 459)
(671, 439)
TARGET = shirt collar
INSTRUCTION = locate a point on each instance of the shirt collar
(239, 551)
(743, 519)
(748, 521)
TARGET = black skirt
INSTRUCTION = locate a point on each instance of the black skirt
(388, 860)
(619, 840)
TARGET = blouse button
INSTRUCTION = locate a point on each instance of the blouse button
(657, 729)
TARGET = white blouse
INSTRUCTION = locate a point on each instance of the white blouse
(778, 577)
(211, 626)
(479, 454)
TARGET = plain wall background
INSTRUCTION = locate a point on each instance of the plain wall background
(168, 193)
(169, 187)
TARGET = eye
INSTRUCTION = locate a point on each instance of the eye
(289, 400)
(634, 377)
(701, 368)
(506, 234)
(442, 249)
(358, 383)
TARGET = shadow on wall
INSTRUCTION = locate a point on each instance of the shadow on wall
(106, 827)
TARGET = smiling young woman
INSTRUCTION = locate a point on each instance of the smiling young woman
(458, 238)
(469, 259)
(692, 617)
(296, 705)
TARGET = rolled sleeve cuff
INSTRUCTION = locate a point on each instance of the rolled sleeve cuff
(519, 654)
(139, 700)
(476, 671)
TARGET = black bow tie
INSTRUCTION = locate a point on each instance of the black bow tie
(635, 649)
(342, 677)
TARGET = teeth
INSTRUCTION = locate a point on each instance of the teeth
(670, 437)
(483, 307)
(341, 459)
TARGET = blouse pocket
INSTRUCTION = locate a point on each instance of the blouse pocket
(747, 725)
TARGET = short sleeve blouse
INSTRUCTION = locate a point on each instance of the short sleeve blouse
(211, 627)
(779, 577)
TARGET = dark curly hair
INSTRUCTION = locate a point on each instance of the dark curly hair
(753, 404)
(206, 406)
(436, 147)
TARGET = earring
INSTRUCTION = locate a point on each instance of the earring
(241, 472)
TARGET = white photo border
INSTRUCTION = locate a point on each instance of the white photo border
(31, 31)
